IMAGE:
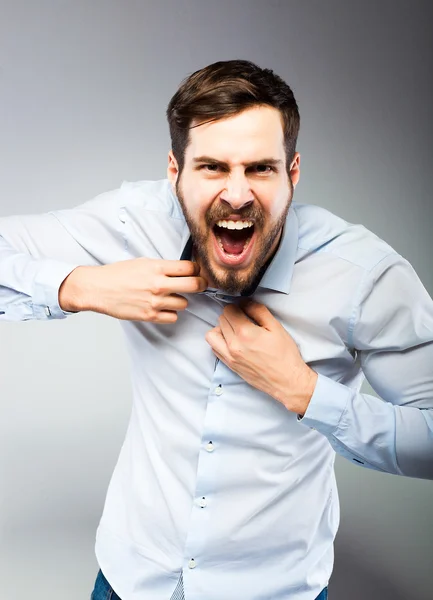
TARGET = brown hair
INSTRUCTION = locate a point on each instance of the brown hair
(226, 88)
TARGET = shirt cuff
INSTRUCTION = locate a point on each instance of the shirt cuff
(327, 405)
(46, 287)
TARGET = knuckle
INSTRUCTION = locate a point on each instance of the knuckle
(235, 349)
(243, 332)
(157, 288)
(151, 314)
(154, 302)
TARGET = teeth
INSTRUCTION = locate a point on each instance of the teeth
(235, 224)
(220, 242)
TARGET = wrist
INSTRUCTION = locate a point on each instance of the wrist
(298, 397)
(74, 290)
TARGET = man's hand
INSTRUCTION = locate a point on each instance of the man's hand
(263, 354)
(141, 289)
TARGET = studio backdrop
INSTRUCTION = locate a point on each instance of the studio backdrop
(83, 92)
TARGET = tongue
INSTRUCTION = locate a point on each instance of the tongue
(233, 241)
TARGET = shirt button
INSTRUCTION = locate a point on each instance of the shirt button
(210, 447)
(219, 390)
(192, 564)
(202, 502)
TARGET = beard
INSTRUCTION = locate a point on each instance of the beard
(231, 280)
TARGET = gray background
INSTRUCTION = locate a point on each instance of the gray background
(84, 86)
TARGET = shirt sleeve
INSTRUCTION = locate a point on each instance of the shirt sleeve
(38, 252)
(392, 333)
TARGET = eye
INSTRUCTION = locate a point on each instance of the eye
(211, 168)
(263, 169)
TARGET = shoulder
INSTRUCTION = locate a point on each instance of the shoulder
(153, 196)
(321, 232)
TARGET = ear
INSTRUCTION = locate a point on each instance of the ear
(172, 170)
(295, 169)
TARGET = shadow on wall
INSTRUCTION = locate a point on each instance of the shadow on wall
(352, 579)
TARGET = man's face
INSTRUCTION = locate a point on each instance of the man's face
(235, 193)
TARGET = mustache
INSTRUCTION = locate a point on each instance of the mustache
(222, 214)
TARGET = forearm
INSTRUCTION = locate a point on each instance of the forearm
(38, 252)
(28, 286)
(372, 432)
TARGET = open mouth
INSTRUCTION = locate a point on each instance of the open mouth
(234, 240)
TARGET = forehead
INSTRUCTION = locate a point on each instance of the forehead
(247, 135)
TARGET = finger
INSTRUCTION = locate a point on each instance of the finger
(185, 285)
(215, 339)
(236, 316)
(260, 314)
(180, 268)
(171, 302)
(226, 329)
(166, 317)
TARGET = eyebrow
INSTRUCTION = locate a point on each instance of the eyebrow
(274, 162)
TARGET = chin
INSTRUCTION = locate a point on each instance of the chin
(233, 281)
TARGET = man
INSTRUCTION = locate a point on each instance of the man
(251, 321)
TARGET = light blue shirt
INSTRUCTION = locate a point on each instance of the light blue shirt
(216, 479)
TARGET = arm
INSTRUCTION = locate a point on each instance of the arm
(78, 259)
(38, 252)
(392, 331)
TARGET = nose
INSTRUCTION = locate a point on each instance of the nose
(237, 192)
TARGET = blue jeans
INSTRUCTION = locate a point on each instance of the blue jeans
(103, 590)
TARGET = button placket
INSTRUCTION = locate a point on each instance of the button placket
(207, 468)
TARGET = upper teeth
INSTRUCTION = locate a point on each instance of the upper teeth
(235, 224)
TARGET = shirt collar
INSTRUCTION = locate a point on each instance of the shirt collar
(278, 275)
